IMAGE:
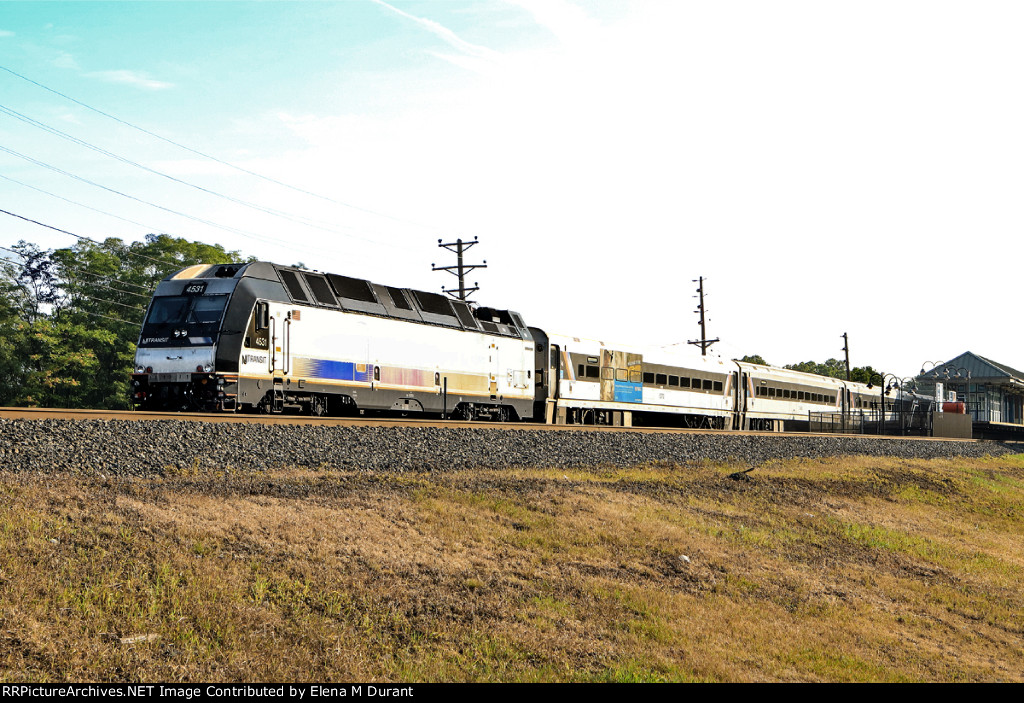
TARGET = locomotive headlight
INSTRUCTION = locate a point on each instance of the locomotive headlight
(208, 368)
(140, 369)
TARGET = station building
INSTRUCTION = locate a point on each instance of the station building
(993, 393)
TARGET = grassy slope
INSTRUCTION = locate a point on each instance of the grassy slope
(837, 570)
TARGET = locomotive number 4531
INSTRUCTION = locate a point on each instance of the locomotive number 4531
(195, 289)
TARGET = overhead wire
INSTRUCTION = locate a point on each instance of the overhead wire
(82, 237)
(75, 202)
(214, 158)
(95, 277)
(226, 228)
(82, 272)
(298, 219)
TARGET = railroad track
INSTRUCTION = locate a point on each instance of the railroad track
(79, 414)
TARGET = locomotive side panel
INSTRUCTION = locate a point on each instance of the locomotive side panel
(377, 363)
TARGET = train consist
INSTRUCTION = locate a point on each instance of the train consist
(258, 337)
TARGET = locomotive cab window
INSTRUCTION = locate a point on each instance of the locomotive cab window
(262, 316)
(180, 309)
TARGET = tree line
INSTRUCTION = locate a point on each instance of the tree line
(69, 318)
(832, 367)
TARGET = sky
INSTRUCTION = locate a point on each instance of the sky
(826, 167)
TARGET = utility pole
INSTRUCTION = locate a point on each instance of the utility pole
(703, 342)
(846, 348)
(460, 269)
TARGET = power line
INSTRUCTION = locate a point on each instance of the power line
(61, 171)
(80, 272)
(88, 239)
(115, 319)
(209, 223)
(74, 202)
(298, 219)
(108, 302)
(214, 158)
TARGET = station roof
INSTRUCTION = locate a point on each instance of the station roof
(980, 368)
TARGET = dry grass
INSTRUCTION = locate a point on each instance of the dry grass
(826, 570)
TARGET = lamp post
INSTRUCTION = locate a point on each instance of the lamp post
(895, 383)
(944, 372)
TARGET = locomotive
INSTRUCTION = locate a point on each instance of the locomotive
(258, 337)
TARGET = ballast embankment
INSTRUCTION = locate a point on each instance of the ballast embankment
(133, 448)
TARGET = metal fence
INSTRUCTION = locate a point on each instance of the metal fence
(910, 420)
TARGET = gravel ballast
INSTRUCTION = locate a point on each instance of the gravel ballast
(140, 448)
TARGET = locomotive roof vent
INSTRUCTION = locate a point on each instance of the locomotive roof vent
(226, 271)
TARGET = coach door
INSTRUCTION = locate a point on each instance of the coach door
(494, 366)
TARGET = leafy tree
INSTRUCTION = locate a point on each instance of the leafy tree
(866, 374)
(70, 318)
(755, 359)
(837, 369)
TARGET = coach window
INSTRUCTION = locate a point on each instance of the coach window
(708, 384)
(621, 375)
(581, 372)
(684, 382)
(673, 380)
(635, 377)
(718, 386)
(593, 372)
(648, 377)
(771, 392)
(607, 373)
(661, 380)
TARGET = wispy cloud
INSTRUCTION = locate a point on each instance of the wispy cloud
(66, 60)
(568, 22)
(447, 35)
(134, 78)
